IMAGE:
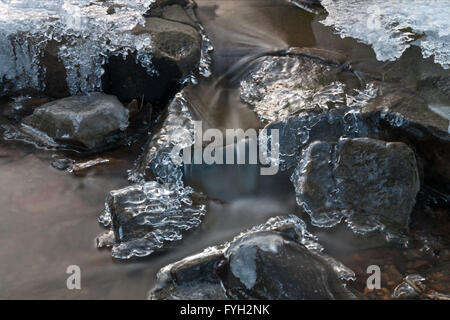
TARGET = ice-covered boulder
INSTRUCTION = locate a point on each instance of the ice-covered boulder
(92, 122)
(63, 48)
(177, 129)
(149, 217)
(303, 80)
(371, 183)
(421, 122)
(276, 260)
(158, 209)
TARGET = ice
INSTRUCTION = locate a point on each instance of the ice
(86, 37)
(158, 208)
(282, 87)
(243, 266)
(149, 216)
(205, 59)
(177, 130)
(393, 26)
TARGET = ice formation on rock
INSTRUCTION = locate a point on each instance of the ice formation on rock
(245, 267)
(86, 36)
(149, 216)
(393, 26)
(371, 183)
(158, 208)
(281, 87)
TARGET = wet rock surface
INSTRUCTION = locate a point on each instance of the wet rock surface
(277, 260)
(92, 122)
(176, 50)
(372, 183)
(309, 5)
(412, 120)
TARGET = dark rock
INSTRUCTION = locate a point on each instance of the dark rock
(267, 265)
(309, 95)
(175, 53)
(55, 75)
(62, 164)
(297, 133)
(93, 122)
(309, 5)
(403, 117)
(278, 260)
(395, 116)
(193, 278)
(146, 218)
(159, 4)
(174, 41)
(175, 13)
(371, 182)
(128, 80)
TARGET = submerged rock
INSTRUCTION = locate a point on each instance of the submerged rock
(93, 122)
(371, 183)
(277, 260)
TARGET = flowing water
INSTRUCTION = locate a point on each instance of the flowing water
(48, 217)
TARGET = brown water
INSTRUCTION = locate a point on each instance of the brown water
(48, 217)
